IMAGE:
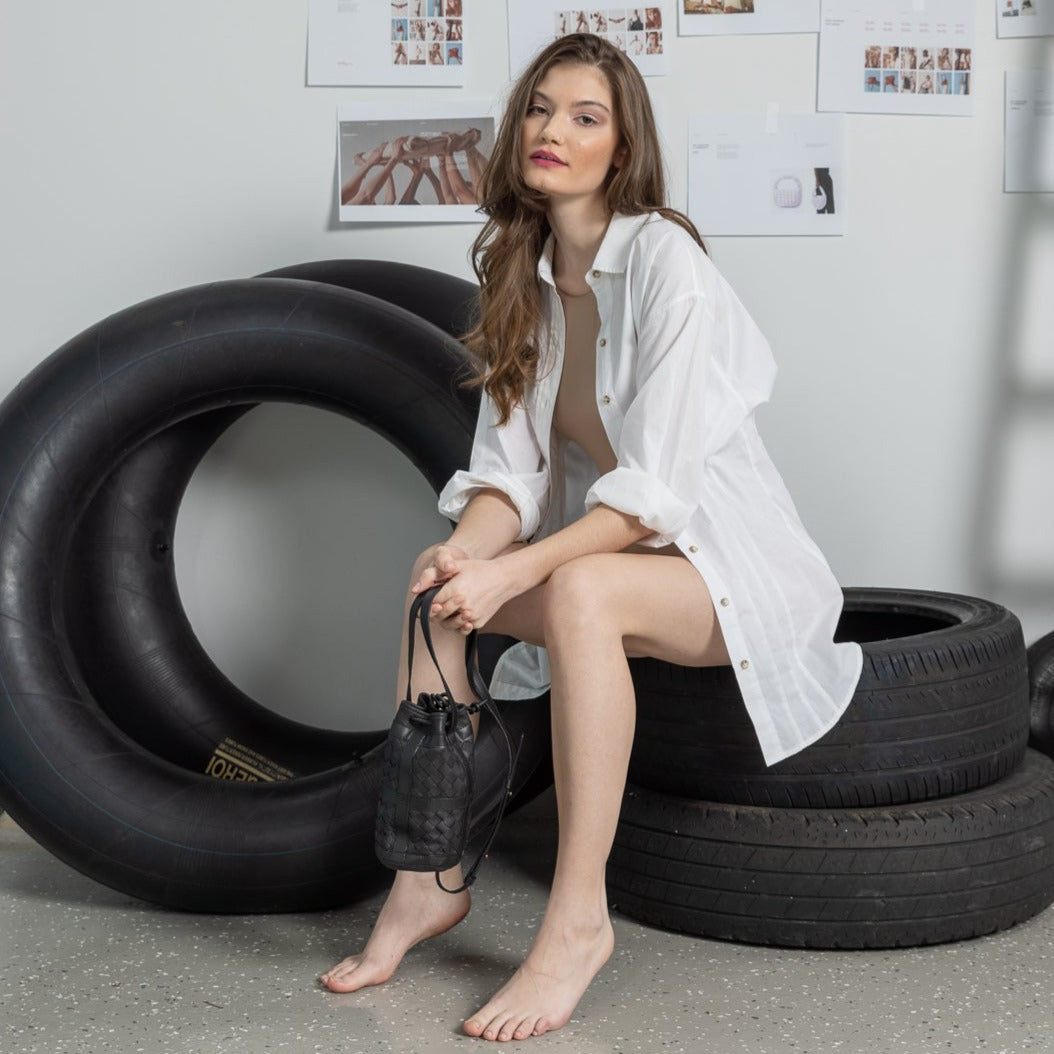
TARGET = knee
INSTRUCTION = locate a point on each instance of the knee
(424, 561)
(575, 597)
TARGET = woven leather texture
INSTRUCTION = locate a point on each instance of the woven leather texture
(426, 789)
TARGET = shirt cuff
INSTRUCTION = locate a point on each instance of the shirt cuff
(463, 487)
(640, 494)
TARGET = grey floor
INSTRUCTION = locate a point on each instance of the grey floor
(85, 970)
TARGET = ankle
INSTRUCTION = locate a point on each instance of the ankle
(580, 923)
(578, 911)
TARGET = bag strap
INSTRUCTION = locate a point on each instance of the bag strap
(420, 612)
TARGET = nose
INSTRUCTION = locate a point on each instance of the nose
(550, 133)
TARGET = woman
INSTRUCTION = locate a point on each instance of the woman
(616, 437)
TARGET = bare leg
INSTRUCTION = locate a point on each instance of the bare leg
(463, 193)
(416, 907)
(409, 195)
(368, 195)
(431, 177)
(365, 162)
(595, 610)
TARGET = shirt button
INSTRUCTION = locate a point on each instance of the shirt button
(725, 602)
(603, 342)
(744, 665)
(596, 274)
(693, 548)
(605, 399)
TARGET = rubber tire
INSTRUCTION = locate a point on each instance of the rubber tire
(916, 874)
(1041, 694)
(447, 302)
(126, 621)
(68, 775)
(941, 708)
(132, 640)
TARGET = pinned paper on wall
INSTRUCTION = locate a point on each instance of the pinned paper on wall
(642, 32)
(768, 174)
(1029, 150)
(1024, 18)
(412, 162)
(728, 17)
(386, 42)
(897, 56)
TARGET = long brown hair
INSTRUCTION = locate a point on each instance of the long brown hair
(505, 254)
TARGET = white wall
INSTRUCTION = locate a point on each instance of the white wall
(149, 146)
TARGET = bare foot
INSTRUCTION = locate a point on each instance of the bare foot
(543, 993)
(416, 909)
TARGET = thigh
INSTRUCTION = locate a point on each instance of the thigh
(521, 617)
(658, 604)
(666, 609)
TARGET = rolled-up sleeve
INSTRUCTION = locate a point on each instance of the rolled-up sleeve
(507, 458)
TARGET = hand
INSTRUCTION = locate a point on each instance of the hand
(471, 597)
(445, 564)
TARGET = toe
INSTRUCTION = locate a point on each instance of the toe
(513, 1028)
(525, 1028)
(493, 1030)
(473, 1027)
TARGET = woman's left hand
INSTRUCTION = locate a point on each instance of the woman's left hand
(470, 599)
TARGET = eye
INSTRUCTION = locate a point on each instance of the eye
(534, 109)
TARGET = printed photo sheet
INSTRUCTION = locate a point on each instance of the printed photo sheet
(387, 42)
(1029, 164)
(412, 161)
(728, 17)
(1024, 18)
(897, 56)
(643, 31)
(774, 174)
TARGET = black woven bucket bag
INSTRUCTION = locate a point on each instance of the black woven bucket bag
(426, 780)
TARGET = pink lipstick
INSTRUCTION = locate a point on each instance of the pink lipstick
(546, 160)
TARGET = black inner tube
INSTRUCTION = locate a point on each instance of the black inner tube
(73, 778)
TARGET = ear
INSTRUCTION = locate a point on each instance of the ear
(620, 157)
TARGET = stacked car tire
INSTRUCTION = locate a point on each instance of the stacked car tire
(923, 816)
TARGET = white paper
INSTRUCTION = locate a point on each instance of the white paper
(364, 42)
(897, 56)
(768, 173)
(707, 18)
(1024, 18)
(1029, 162)
(643, 32)
(412, 161)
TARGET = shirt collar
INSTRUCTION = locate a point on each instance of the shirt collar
(613, 254)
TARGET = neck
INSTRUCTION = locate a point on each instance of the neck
(578, 228)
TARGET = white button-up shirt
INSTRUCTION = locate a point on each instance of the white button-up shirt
(680, 369)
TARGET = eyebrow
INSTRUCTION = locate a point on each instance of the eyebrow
(580, 102)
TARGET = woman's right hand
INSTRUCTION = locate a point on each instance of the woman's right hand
(445, 564)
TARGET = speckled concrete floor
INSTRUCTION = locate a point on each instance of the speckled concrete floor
(85, 970)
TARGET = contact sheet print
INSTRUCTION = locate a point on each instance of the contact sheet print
(415, 162)
(386, 42)
(897, 56)
(642, 31)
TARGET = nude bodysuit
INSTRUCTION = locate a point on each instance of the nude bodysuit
(576, 416)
